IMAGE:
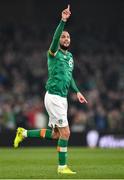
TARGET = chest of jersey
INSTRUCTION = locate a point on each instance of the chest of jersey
(64, 61)
(61, 66)
(60, 69)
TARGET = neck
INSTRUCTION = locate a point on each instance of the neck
(64, 51)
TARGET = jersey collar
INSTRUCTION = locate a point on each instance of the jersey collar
(63, 51)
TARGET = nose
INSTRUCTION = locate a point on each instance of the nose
(66, 39)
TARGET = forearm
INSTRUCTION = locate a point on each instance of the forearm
(73, 86)
(55, 42)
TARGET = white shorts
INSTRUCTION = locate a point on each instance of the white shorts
(56, 107)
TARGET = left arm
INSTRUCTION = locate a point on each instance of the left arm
(73, 86)
(80, 97)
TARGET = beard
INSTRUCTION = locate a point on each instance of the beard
(64, 47)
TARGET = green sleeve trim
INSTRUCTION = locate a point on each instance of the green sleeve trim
(55, 42)
(73, 86)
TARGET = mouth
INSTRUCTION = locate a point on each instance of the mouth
(66, 43)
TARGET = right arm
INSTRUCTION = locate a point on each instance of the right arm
(55, 42)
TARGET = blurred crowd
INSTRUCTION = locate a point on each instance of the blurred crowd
(99, 74)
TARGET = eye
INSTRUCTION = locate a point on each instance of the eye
(62, 36)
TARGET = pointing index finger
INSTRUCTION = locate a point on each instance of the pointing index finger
(68, 7)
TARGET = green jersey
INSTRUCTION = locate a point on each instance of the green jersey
(60, 67)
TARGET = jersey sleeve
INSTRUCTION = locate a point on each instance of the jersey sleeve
(73, 86)
(55, 41)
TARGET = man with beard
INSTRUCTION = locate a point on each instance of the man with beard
(60, 68)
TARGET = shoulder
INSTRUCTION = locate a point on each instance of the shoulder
(70, 54)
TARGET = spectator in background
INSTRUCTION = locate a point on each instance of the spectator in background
(99, 71)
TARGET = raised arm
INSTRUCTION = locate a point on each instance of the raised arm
(55, 42)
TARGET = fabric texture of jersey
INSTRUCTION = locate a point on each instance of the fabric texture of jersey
(60, 67)
(60, 70)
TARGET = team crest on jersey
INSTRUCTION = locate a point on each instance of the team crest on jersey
(70, 62)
